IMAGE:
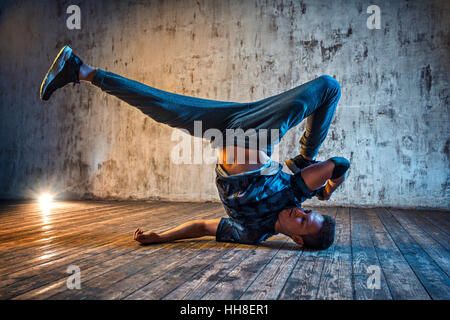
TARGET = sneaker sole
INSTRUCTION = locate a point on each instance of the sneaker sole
(57, 66)
(291, 165)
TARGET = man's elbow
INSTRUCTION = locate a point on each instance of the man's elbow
(199, 227)
(210, 226)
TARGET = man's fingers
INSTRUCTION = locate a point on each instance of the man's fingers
(138, 235)
(137, 232)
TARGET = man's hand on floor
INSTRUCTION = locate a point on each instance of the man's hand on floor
(144, 238)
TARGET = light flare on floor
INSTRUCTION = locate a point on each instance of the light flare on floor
(46, 203)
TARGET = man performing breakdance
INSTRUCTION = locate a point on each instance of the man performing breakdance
(259, 198)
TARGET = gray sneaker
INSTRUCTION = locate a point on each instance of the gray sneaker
(64, 70)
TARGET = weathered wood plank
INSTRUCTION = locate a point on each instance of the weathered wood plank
(52, 289)
(303, 283)
(443, 237)
(56, 270)
(411, 248)
(125, 245)
(431, 276)
(336, 281)
(97, 286)
(32, 209)
(440, 218)
(169, 276)
(93, 288)
(22, 245)
(90, 224)
(235, 283)
(90, 233)
(433, 248)
(37, 226)
(365, 258)
(238, 280)
(269, 283)
(401, 279)
(62, 212)
(45, 238)
(195, 287)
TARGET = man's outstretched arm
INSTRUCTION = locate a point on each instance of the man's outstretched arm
(191, 229)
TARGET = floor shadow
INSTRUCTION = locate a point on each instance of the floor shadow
(286, 245)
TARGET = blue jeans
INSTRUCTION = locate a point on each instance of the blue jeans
(315, 100)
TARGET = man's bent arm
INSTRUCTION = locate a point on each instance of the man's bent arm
(191, 229)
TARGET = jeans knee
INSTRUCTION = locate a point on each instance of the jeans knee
(341, 166)
(331, 82)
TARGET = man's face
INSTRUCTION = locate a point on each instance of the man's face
(299, 221)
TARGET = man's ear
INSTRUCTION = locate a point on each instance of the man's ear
(298, 240)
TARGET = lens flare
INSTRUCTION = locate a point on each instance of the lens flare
(45, 202)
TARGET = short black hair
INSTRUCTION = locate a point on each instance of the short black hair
(324, 238)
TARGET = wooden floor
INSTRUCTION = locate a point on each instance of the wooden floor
(409, 250)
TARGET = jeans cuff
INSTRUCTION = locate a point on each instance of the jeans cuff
(98, 78)
(304, 151)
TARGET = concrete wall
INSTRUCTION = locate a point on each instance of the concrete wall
(392, 120)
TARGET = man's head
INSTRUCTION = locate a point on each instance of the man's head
(307, 228)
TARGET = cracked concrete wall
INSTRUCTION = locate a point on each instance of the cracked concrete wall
(392, 120)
